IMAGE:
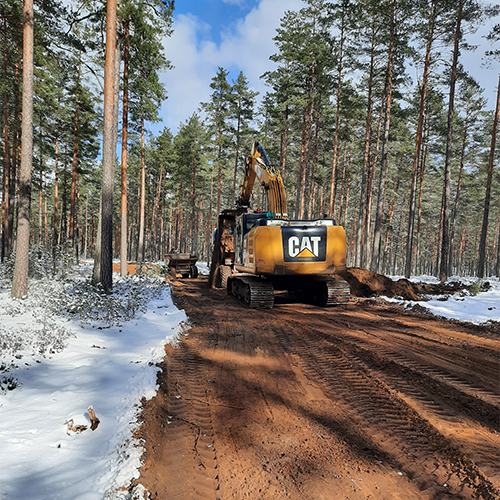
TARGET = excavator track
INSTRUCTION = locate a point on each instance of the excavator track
(256, 292)
(332, 291)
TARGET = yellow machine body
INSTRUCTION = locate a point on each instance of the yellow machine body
(290, 247)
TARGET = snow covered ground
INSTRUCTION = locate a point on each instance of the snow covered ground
(67, 348)
(63, 350)
(480, 308)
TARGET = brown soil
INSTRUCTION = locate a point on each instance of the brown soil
(298, 402)
(365, 283)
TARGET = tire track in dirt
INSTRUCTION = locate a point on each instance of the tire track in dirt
(186, 445)
(394, 423)
(419, 379)
(359, 401)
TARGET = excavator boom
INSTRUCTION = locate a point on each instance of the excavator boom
(258, 166)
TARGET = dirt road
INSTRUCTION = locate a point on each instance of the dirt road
(353, 402)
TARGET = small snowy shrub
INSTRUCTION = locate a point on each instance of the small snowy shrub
(43, 263)
(34, 327)
(475, 288)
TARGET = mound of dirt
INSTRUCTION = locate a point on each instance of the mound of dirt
(366, 283)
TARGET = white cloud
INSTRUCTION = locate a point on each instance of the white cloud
(246, 47)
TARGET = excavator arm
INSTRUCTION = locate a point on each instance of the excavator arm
(258, 166)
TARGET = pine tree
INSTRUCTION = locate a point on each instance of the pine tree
(218, 111)
(242, 113)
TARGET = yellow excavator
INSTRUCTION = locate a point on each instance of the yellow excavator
(256, 253)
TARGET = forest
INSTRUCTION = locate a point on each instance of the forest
(408, 166)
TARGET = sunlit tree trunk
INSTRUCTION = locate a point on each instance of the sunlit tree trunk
(375, 264)
(108, 152)
(361, 227)
(20, 280)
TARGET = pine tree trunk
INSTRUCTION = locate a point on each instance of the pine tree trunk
(236, 156)
(219, 167)
(16, 159)
(74, 174)
(56, 196)
(423, 164)
(459, 186)
(192, 235)
(108, 151)
(301, 172)
(284, 138)
(40, 187)
(486, 212)
(20, 280)
(123, 183)
(307, 158)
(156, 210)
(418, 142)
(64, 208)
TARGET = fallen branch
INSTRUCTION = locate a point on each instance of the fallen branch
(75, 428)
(93, 419)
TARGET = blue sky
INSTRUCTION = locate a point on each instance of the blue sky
(219, 15)
(234, 34)
(238, 36)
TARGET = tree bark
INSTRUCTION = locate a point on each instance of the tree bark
(108, 156)
(142, 202)
(484, 228)
(337, 116)
(20, 280)
(56, 195)
(360, 233)
(74, 173)
(237, 152)
(459, 186)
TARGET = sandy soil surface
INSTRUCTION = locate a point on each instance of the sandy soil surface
(362, 401)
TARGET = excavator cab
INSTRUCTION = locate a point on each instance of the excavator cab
(244, 224)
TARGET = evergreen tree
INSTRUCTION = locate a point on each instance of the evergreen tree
(218, 111)
(242, 113)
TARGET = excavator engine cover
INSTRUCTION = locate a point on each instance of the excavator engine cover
(307, 244)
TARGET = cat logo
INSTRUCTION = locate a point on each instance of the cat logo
(305, 247)
(304, 244)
